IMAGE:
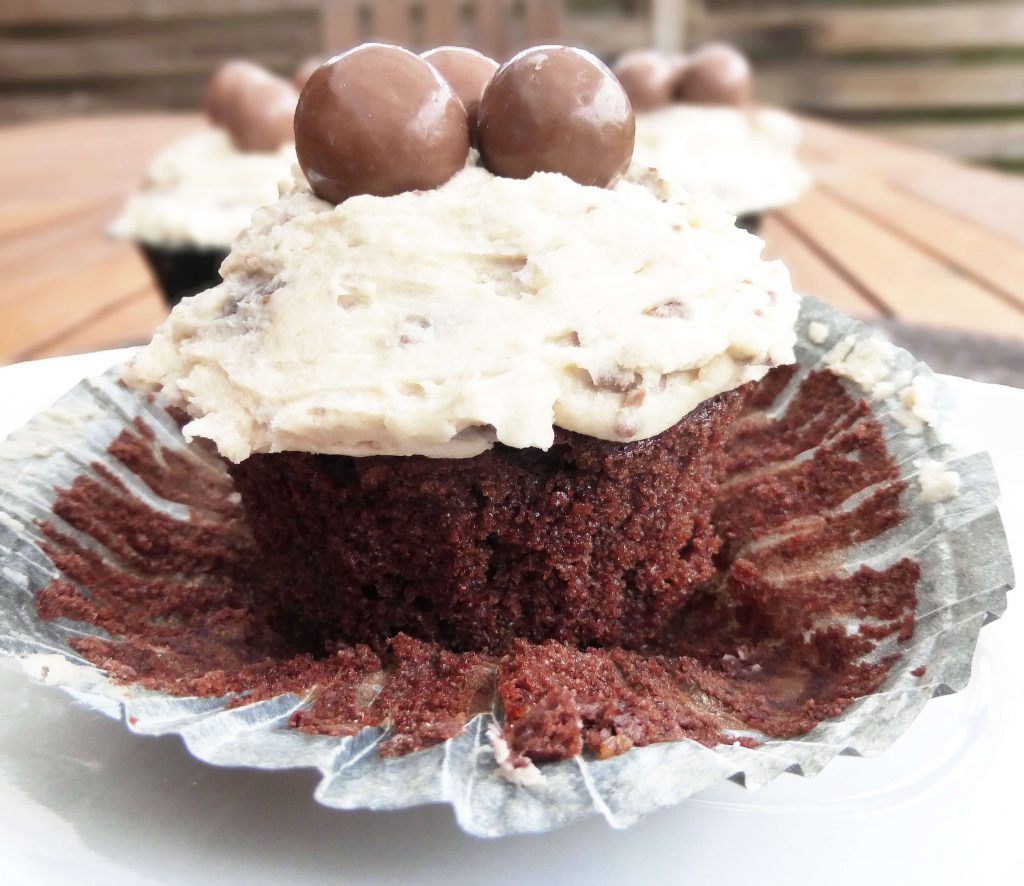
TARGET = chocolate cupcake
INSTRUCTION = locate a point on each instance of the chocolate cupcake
(697, 126)
(201, 191)
(485, 424)
(486, 411)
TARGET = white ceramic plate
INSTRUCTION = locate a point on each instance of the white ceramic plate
(82, 800)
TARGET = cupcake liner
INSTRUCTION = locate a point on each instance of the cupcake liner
(958, 542)
(183, 272)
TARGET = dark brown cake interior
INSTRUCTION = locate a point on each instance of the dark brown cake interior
(762, 648)
(588, 543)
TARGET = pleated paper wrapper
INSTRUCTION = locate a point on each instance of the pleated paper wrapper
(959, 544)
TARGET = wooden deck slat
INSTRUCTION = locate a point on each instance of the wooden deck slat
(21, 219)
(40, 247)
(972, 250)
(925, 28)
(827, 145)
(442, 23)
(543, 21)
(892, 86)
(95, 156)
(811, 272)
(65, 300)
(145, 51)
(912, 284)
(491, 32)
(58, 257)
(989, 140)
(390, 22)
(990, 201)
(62, 12)
(339, 26)
(128, 322)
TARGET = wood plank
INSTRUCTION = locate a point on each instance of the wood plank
(442, 25)
(146, 49)
(828, 147)
(110, 155)
(21, 217)
(990, 200)
(491, 35)
(924, 28)
(129, 322)
(64, 302)
(607, 35)
(812, 272)
(62, 12)
(543, 22)
(340, 26)
(985, 257)
(30, 103)
(29, 277)
(391, 22)
(892, 85)
(668, 24)
(986, 140)
(36, 248)
(912, 284)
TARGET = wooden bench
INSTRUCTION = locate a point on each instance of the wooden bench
(59, 57)
(945, 76)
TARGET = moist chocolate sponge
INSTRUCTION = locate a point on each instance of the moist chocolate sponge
(590, 542)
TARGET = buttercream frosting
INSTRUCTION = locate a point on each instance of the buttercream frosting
(489, 309)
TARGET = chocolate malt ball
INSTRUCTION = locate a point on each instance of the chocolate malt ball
(556, 109)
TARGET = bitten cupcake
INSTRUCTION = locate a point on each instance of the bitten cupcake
(697, 126)
(476, 399)
(201, 191)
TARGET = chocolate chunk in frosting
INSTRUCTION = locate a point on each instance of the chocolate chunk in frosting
(556, 109)
(378, 120)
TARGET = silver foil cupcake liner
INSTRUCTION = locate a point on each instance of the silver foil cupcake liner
(954, 534)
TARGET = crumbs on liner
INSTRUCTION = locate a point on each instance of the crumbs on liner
(817, 331)
(866, 363)
(936, 481)
(918, 401)
(525, 773)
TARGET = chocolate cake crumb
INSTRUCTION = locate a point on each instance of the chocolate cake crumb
(761, 647)
(590, 542)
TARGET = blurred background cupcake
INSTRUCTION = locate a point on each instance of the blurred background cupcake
(697, 125)
(200, 191)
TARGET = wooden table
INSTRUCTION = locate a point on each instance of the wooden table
(887, 232)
